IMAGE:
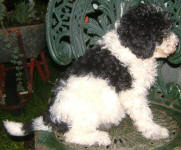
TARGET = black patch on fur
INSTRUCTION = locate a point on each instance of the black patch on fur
(28, 128)
(61, 127)
(102, 64)
(142, 27)
(57, 88)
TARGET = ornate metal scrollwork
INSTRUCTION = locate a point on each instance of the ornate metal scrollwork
(68, 35)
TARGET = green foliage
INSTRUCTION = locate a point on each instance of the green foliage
(69, 36)
(22, 13)
(2, 11)
(37, 105)
(17, 61)
(6, 143)
(111, 11)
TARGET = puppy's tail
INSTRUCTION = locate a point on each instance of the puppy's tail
(20, 129)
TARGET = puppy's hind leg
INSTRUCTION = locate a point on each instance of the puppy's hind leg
(83, 134)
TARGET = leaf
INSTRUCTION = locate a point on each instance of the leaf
(8, 45)
(6, 39)
(20, 73)
(13, 61)
(19, 63)
(18, 68)
(17, 74)
(16, 49)
(15, 57)
(22, 13)
(93, 27)
(1, 34)
(2, 11)
(94, 40)
(18, 79)
(108, 12)
(103, 20)
(86, 37)
(20, 87)
(21, 55)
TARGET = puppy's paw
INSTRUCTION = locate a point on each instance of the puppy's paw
(156, 132)
(103, 138)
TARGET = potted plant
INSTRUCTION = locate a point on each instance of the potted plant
(22, 36)
(29, 21)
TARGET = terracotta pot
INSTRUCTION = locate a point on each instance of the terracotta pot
(33, 37)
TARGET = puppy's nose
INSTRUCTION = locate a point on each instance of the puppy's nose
(176, 45)
(176, 40)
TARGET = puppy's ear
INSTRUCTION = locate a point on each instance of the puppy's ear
(141, 28)
(139, 42)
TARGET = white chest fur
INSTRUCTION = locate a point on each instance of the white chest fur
(143, 72)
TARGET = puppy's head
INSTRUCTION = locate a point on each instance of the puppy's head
(146, 30)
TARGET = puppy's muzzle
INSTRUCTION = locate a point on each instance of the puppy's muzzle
(175, 44)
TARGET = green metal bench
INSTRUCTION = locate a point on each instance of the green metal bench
(72, 26)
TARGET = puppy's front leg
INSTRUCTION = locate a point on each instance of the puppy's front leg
(137, 108)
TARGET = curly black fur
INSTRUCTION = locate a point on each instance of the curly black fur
(97, 62)
(61, 127)
(142, 27)
(102, 64)
(28, 128)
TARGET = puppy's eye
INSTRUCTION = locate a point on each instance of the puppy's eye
(176, 46)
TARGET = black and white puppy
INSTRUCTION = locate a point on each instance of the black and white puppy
(109, 81)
